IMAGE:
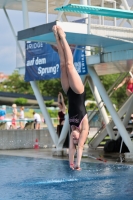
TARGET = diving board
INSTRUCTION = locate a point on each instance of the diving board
(76, 33)
(94, 10)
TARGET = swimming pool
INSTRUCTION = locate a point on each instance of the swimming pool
(36, 179)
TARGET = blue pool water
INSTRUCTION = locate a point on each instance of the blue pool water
(44, 179)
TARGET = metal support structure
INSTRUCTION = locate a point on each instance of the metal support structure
(11, 26)
(114, 3)
(101, 18)
(101, 107)
(25, 14)
(44, 112)
(131, 74)
(126, 120)
(128, 114)
(88, 22)
(86, 16)
(64, 18)
(124, 20)
(46, 11)
(34, 85)
(61, 13)
(89, 19)
(125, 4)
(111, 109)
(114, 52)
(123, 110)
(102, 4)
(114, 6)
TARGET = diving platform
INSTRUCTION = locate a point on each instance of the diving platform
(117, 32)
(95, 10)
(76, 33)
(110, 59)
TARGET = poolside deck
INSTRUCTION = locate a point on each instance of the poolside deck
(47, 153)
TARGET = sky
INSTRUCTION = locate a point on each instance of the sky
(8, 48)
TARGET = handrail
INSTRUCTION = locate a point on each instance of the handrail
(17, 120)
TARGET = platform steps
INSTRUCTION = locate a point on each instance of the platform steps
(129, 128)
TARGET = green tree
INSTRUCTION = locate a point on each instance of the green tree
(52, 87)
(118, 97)
(20, 101)
(49, 103)
(15, 83)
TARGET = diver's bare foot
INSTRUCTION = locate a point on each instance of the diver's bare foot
(72, 166)
(54, 29)
(61, 33)
(77, 168)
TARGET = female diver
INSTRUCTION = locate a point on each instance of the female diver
(74, 88)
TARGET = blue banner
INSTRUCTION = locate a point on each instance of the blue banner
(43, 63)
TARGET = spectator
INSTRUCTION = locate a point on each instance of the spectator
(14, 116)
(129, 85)
(62, 109)
(21, 117)
(2, 112)
(61, 113)
(37, 120)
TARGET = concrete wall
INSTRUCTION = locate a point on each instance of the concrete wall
(24, 139)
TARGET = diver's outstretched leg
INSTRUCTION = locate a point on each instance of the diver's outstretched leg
(74, 79)
(64, 76)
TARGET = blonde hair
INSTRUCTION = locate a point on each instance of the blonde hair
(14, 105)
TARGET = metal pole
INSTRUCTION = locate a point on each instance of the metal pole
(34, 85)
(61, 12)
(46, 11)
(114, 3)
(25, 14)
(124, 20)
(125, 4)
(44, 112)
(10, 24)
(102, 16)
(101, 107)
(89, 19)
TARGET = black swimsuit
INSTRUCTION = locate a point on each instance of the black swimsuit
(61, 117)
(76, 108)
